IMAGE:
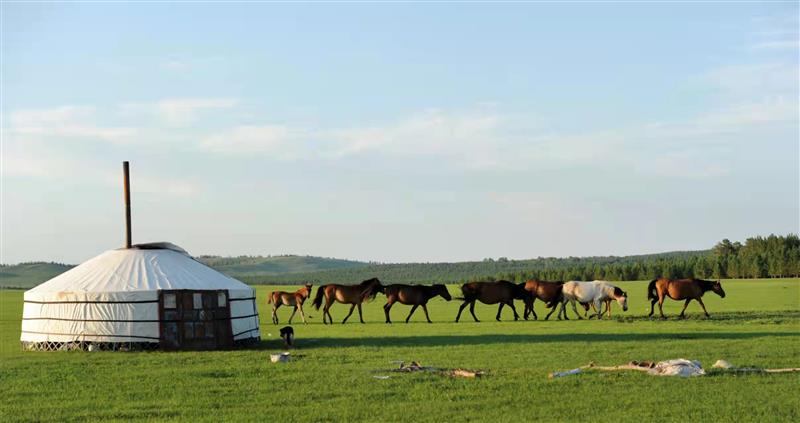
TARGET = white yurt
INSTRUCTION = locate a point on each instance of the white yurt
(143, 296)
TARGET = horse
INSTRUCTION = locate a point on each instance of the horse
(346, 294)
(502, 292)
(681, 289)
(296, 299)
(595, 292)
(413, 295)
(549, 292)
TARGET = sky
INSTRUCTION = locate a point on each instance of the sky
(398, 132)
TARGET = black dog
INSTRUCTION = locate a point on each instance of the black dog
(287, 333)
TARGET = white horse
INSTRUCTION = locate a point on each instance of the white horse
(594, 292)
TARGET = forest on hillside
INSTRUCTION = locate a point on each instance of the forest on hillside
(758, 257)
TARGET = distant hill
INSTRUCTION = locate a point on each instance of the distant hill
(276, 265)
(28, 275)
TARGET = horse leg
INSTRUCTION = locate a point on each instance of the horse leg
(533, 310)
(302, 315)
(460, 309)
(499, 309)
(472, 310)
(608, 308)
(413, 309)
(275, 313)
(514, 309)
(700, 300)
(425, 309)
(598, 305)
(555, 308)
(574, 308)
(360, 317)
(293, 312)
(352, 307)
(386, 308)
(686, 304)
(652, 306)
(661, 306)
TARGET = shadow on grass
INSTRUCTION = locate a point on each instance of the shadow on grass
(455, 340)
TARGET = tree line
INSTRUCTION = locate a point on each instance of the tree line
(758, 257)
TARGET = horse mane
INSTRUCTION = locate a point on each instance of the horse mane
(705, 285)
(618, 291)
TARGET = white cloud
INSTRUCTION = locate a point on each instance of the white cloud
(67, 122)
(182, 111)
(786, 44)
(278, 141)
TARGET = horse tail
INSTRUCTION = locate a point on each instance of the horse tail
(269, 298)
(652, 294)
(318, 299)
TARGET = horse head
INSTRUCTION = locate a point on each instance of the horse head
(440, 289)
(371, 288)
(621, 297)
(717, 288)
(308, 287)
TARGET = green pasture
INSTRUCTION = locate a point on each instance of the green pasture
(332, 375)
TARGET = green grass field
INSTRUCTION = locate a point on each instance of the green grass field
(331, 377)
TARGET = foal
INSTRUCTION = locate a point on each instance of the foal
(292, 299)
(413, 295)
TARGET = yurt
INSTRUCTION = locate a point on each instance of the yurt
(144, 296)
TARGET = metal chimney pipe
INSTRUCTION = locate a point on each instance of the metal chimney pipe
(127, 188)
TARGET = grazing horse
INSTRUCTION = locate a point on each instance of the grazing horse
(595, 292)
(291, 299)
(346, 294)
(502, 292)
(413, 295)
(548, 292)
(681, 289)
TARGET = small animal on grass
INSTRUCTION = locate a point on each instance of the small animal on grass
(287, 334)
(502, 292)
(595, 292)
(413, 295)
(291, 299)
(548, 292)
(346, 294)
(681, 289)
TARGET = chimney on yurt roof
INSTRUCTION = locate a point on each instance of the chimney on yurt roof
(127, 188)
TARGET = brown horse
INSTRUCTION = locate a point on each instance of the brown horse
(503, 292)
(548, 292)
(295, 299)
(681, 289)
(413, 295)
(346, 294)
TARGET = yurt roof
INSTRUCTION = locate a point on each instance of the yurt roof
(143, 267)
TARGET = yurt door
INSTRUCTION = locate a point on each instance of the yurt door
(195, 319)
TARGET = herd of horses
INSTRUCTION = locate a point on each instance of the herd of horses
(555, 295)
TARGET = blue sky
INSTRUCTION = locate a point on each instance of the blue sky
(398, 132)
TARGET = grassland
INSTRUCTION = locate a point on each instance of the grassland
(331, 378)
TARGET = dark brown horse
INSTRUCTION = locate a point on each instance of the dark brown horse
(503, 292)
(681, 289)
(413, 295)
(346, 294)
(292, 299)
(548, 292)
